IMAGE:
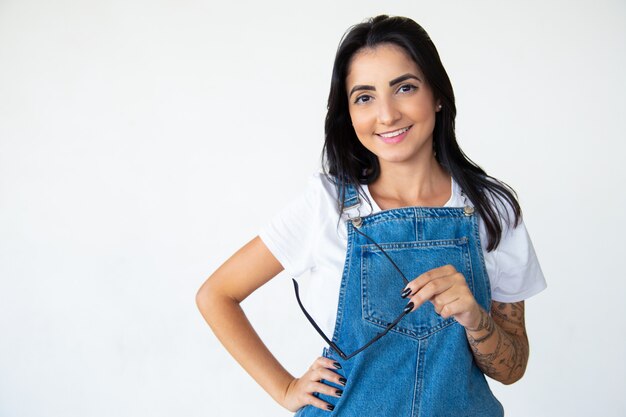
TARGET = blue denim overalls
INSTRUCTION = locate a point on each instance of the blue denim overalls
(424, 365)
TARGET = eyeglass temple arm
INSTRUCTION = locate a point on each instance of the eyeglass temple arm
(330, 343)
(308, 316)
(384, 252)
(379, 335)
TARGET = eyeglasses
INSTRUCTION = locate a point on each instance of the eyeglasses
(356, 222)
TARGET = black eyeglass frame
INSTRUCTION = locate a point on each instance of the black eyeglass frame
(356, 222)
(334, 345)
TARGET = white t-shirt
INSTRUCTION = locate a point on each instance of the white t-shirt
(304, 236)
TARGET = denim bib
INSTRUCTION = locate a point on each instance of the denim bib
(424, 365)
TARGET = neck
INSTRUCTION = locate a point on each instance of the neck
(412, 183)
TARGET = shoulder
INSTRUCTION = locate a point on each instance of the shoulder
(314, 201)
(293, 232)
(516, 268)
(322, 190)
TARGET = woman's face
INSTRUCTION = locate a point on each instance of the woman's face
(392, 108)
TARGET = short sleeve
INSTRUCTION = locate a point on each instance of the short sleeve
(291, 234)
(519, 275)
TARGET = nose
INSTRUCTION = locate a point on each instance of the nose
(388, 114)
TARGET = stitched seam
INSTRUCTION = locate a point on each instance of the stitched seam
(479, 249)
(344, 279)
(457, 242)
(419, 376)
(468, 264)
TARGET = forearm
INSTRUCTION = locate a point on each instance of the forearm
(233, 329)
(499, 354)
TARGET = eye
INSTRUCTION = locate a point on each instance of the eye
(406, 88)
(362, 99)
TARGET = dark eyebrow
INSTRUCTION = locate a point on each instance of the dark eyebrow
(404, 77)
(361, 87)
(391, 83)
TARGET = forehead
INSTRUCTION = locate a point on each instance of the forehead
(379, 65)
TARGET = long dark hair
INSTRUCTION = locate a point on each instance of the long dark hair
(348, 161)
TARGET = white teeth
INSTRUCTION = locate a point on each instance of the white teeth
(395, 133)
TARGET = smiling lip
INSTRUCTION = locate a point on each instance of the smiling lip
(397, 138)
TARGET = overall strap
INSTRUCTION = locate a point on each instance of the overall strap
(351, 197)
(351, 201)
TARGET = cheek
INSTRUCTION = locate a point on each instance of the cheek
(363, 129)
(425, 126)
(420, 109)
(361, 123)
(424, 116)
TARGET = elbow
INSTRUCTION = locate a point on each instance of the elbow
(517, 374)
(513, 379)
(211, 299)
(201, 298)
(204, 297)
(518, 366)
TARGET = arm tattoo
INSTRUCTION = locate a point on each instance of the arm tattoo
(486, 323)
(499, 342)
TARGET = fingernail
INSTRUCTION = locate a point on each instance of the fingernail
(339, 392)
(406, 292)
(337, 365)
(330, 407)
(409, 307)
(343, 381)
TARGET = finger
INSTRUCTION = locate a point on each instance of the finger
(428, 276)
(331, 364)
(455, 292)
(316, 402)
(328, 375)
(327, 389)
(323, 362)
(442, 300)
(453, 308)
(313, 388)
(429, 290)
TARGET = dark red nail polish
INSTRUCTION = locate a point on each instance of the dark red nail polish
(409, 307)
(343, 381)
(330, 407)
(339, 392)
(337, 365)
(406, 292)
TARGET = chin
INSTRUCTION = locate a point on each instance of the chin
(394, 158)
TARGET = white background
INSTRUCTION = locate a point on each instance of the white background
(143, 142)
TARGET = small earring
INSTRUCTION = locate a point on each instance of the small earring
(438, 106)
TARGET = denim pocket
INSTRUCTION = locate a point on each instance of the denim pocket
(382, 284)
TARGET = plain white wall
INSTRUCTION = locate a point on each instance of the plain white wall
(143, 142)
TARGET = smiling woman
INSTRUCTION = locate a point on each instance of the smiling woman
(394, 116)
(426, 281)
